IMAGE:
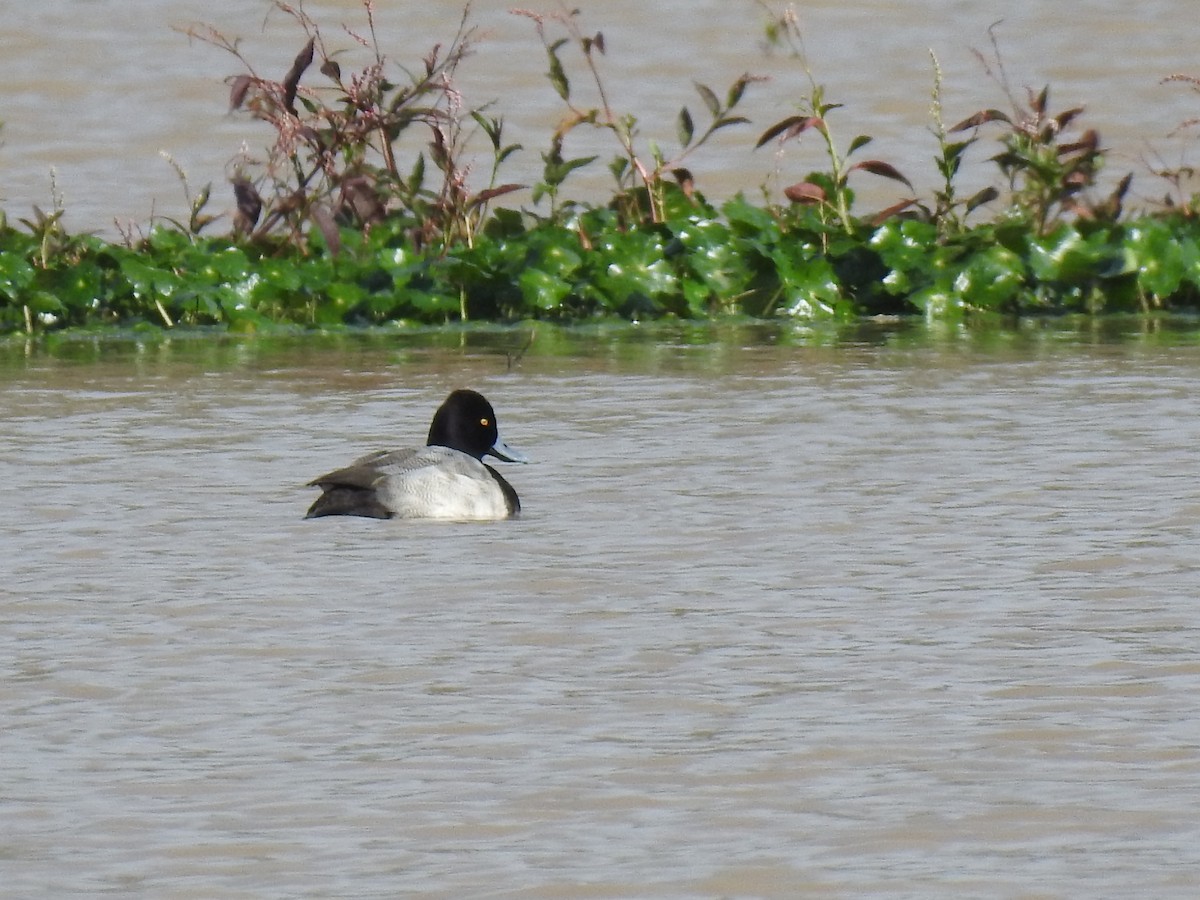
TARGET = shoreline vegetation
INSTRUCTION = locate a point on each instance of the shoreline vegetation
(340, 222)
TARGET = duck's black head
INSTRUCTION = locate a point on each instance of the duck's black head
(467, 422)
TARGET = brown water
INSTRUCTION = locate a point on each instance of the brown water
(95, 89)
(881, 617)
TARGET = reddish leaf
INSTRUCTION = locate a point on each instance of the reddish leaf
(805, 192)
(686, 180)
(360, 200)
(793, 126)
(597, 42)
(1122, 189)
(1041, 102)
(1086, 144)
(981, 118)
(331, 70)
(987, 195)
(291, 81)
(290, 203)
(1111, 207)
(895, 209)
(777, 129)
(491, 193)
(811, 122)
(1079, 209)
(1076, 180)
(249, 205)
(238, 91)
(884, 170)
(1065, 118)
(324, 221)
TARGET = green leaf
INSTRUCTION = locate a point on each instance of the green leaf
(684, 127)
(736, 90)
(44, 302)
(810, 286)
(726, 121)
(558, 77)
(656, 154)
(635, 271)
(987, 195)
(1065, 255)
(952, 152)
(416, 178)
(542, 290)
(557, 254)
(992, 279)
(147, 281)
(709, 98)
(905, 245)
(345, 296)
(1160, 258)
(16, 274)
(491, 127)
(714, 262)
(861, 141)
(230, 264)
(556, 173)
(938, 303)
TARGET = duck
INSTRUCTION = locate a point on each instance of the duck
(445, 479)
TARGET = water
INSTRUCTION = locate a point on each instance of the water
(96, 90)
(781, 618)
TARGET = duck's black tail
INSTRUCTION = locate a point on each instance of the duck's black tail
(340, 500)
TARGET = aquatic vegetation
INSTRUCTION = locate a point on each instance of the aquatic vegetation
(363, 212)
(828, 191)
(640, 176)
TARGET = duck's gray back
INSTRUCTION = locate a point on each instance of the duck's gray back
(439, 483)
(427, 483)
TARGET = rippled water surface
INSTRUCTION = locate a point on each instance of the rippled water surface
(95, 90)
(779, 620)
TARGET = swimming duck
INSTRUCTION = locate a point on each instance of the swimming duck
(446, 479)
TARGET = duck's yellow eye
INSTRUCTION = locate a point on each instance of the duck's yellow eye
(483, 422)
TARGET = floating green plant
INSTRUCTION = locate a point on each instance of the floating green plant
(336, 226)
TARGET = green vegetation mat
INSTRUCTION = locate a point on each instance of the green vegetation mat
(333, 228)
